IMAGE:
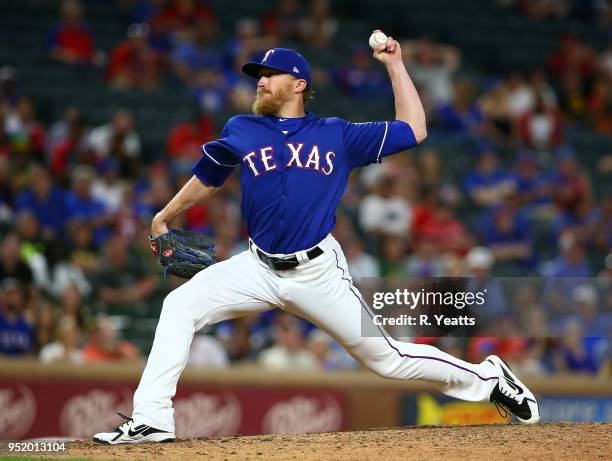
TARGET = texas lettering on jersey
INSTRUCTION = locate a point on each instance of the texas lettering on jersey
(293, 172)
(263, 160)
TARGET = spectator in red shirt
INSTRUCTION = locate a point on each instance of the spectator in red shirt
(600, 105)
(186, 139)
(180, 17)
(134, 63)
(105, 345)
(72, 147)
(284, 20)
(70, 40)
(435, 222)
(572, 56)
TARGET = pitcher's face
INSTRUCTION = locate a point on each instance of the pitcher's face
(274, 89)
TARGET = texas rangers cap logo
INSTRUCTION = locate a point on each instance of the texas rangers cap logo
(268, 53)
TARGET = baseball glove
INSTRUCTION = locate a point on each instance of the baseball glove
(183, 253)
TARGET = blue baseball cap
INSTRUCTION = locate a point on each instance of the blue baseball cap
(284, 60)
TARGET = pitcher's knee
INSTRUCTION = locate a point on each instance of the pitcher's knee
(387, 366)
(383, 363)
(377, 366)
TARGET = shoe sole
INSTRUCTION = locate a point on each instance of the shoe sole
(148, 439)
(532, 420)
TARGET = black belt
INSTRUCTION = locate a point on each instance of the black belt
(286, 263)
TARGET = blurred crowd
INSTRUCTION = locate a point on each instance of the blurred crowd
(76, 198)
(591, 11)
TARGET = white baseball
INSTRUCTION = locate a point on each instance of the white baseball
(377, 38)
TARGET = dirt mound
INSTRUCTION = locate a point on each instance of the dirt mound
(545, 441)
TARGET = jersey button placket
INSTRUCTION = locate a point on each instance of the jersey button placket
(283, 205)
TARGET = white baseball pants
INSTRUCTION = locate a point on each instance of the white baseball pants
(320, 291)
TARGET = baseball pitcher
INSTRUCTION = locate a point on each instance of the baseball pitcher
(294, 169)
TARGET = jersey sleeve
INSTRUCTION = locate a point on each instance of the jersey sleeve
(218, 160)
(366, 143)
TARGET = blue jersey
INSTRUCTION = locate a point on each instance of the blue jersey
(295, 171)
(16, 336)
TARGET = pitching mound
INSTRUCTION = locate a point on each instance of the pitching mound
(544, 441)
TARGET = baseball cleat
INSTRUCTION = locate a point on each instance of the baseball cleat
(130, 432)
(511, 394)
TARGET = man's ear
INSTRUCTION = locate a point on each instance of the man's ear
(300, 85)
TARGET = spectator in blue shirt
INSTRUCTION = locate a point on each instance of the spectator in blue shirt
(508, 235)
(151, 12)
(361, 78)
(462, 116)
(488, 185)
(191, 57)
(16, 333)
(534, 189)
(600, 226)
(248, 45)
(596, 324)
(82, 206)
(570, 263)
(574, 355)
(80, 203)
(578, 221)
(45, 200)
(211, 90)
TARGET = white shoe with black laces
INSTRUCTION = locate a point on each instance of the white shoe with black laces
(513, 395)
(130, 432)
